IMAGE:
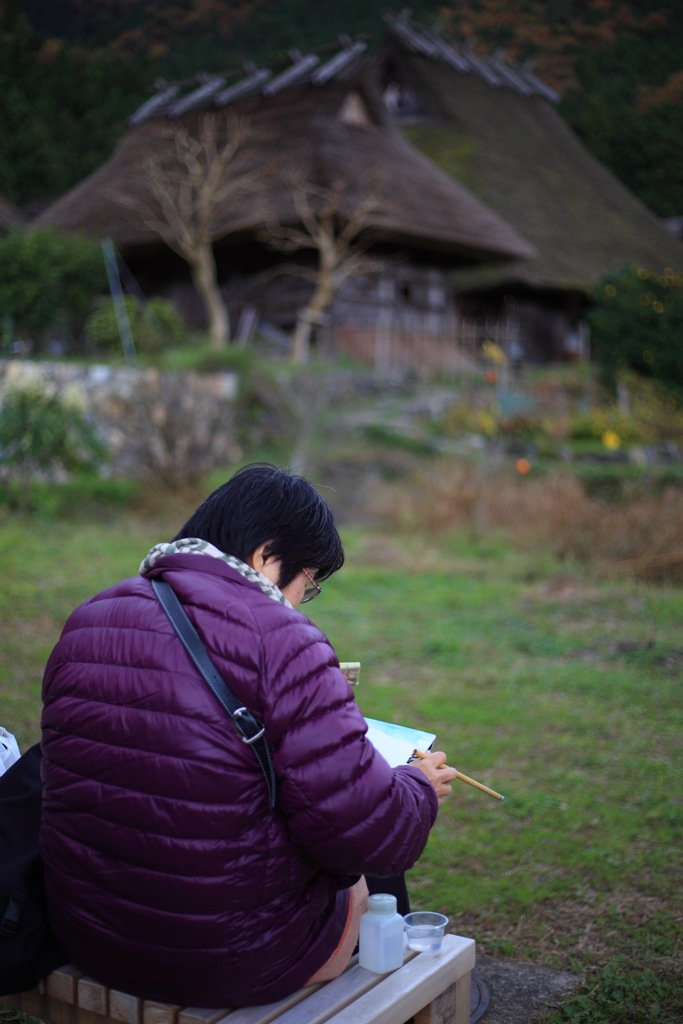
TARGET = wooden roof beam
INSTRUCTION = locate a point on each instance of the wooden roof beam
(198, 97)
(339, 63)
(253, 83)
(154, 106)
(298, 72)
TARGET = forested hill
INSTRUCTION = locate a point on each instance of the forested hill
(71, 72)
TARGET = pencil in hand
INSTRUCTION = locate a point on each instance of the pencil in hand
(467, 779)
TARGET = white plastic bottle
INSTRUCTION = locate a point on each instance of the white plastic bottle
(380, 941)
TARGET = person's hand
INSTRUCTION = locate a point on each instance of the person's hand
(440, 775)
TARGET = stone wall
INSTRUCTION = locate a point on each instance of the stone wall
(171, 426)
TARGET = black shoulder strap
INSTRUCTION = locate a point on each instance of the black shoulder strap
(248, 728)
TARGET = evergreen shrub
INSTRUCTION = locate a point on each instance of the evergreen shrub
(155, 325)
(48, 281)
(636, 324)
(44, 433)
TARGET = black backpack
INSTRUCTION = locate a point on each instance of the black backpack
(28, 949)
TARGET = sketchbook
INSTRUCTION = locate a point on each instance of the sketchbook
(396, 743)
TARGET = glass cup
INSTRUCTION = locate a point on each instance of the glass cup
(424, 930)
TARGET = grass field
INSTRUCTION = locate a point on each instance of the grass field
(560, 689)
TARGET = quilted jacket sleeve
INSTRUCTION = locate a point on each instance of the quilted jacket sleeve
(345, 805)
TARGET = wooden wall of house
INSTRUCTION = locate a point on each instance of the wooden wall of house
(526, 326)
(396, 351)
(403, 317)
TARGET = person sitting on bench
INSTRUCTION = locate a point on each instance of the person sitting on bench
(168, 875)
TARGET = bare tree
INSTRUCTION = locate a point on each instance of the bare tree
(192, 182)
(301, 405)
(330, 225)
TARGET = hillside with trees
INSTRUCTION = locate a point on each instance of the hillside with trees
(71, 74)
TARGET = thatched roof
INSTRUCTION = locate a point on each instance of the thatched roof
(313, 116)
(510, 146)
(10, 216)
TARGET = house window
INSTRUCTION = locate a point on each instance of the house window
(435, 296)
(353, 110)
(400, 100)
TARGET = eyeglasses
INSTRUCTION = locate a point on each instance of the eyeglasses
(311, 590)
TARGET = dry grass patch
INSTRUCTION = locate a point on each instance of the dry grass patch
(640, 537)
(586, 932)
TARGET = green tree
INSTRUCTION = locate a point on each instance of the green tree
(48, 280)
(637, 323)
(27, 160)
(62, 110)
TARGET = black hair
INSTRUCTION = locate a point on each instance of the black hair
(262, 504)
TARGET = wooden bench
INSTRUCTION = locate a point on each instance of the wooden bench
(431, 988)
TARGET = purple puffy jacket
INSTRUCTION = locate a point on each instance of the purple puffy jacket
(167, 876)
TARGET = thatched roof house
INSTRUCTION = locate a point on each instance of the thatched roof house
(494, 127)
(315, 118)
(331, 134)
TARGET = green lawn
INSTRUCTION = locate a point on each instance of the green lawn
(558, 689)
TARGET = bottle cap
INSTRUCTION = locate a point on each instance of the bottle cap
(382, 903)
